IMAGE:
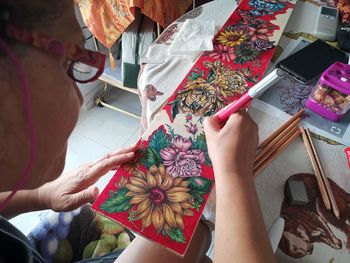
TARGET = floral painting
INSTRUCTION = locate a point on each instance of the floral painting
(242, 51)
(202, 96)
(161, 194)
(165, 188)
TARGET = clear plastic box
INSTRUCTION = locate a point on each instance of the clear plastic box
(331, 96)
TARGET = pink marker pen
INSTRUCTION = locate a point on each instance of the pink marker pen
(252, 93)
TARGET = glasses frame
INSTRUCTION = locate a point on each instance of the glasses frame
(71, 51)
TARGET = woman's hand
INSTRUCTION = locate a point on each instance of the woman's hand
(232, 148)
(75, 188)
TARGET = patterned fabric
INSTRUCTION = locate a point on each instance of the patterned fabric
(78, 235)
(162, 193)
(107, 19)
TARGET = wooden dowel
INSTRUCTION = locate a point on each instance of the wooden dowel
(323, 176)
(275, 146)
(276, 139)
(299, 114)
(262, 166)
(318, 175)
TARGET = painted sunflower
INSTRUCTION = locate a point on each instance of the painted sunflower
(231, 37)
(161, 200)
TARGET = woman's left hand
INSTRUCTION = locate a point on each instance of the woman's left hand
(76, 188)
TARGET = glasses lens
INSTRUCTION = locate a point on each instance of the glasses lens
(82, 72)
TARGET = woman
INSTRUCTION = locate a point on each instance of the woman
(40, 60)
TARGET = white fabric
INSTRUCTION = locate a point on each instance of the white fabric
(165, 72)
(193, 37)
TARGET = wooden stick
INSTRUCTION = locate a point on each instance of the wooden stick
(276, 139)
(324, 177)
(318, 174)
(280, 129)
(272, 148)
(277, 152)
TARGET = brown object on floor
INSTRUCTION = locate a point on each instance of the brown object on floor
(277, 142)
(322, 181)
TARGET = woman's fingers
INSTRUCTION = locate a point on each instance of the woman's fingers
(128, 149)
(88, 195)
(132, 148)
(103, 166)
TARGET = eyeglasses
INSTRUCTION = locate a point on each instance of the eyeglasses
(85, 65)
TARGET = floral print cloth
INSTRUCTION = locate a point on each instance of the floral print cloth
(162, 193)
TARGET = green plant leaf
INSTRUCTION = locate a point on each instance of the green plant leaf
(158, 141)
(177, 235)
(117, 203)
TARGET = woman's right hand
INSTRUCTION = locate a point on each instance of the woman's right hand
(232, 148)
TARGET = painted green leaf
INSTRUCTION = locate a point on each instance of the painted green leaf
(175, 109)
(201, 144)
(195, 75)
(199, 184)
(152, 157)
(197, 195)
(117, 203)
(158, 141)
(239, 60)
(177, 235)
(211, 76)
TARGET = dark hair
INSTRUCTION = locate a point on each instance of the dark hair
(28, 14)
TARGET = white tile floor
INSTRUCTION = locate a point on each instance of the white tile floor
(98, 131)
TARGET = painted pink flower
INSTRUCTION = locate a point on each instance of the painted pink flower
(182, 161)
(225, 53)
(261, 32)
(191, 128)
(182, 144)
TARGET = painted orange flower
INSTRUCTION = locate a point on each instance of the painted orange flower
(161, 199)
(231, 38)
(199, 98)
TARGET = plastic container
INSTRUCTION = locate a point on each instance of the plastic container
(331, 96)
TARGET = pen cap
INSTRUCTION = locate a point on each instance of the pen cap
(331, 96)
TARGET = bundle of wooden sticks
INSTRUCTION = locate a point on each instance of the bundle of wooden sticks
(279, 140)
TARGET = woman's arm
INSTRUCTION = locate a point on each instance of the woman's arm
(240, 233)
(70, 190)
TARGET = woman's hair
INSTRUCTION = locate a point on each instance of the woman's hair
(31, 14)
